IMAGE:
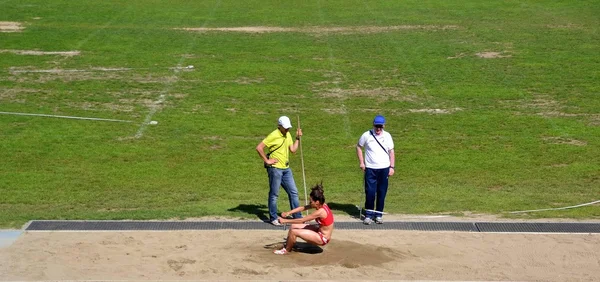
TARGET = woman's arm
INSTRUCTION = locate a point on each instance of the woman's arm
(318, 213)
(298, 209)
(294, 146)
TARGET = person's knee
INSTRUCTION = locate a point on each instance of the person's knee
(294, 232)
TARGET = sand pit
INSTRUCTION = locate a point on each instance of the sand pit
(352, 254)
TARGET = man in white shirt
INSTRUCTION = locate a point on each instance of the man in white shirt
(378, 165)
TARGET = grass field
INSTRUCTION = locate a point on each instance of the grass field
(494, 105)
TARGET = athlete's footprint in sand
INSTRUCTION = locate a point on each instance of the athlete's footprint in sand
(177, 265)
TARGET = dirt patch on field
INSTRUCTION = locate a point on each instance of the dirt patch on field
(457, 56)
(16, 94)
(546, 106)
(558, 114)
(318, 29)
(122, 105)
(247, 80)
(11, 27)
(22, 70)
(567, 141)
(44, 76)
(492, 55)
(594, 120)
(31, 74)
(435, 111)
(41, 53)
(539, 103)
(95, 106)
(382, 94)
(337, 111)
(564, 26)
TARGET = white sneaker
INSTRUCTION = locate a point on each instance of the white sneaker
(379, 220)
(280, 252)
(276, 222)
(367, 221)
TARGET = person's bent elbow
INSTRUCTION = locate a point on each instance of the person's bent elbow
(260, 147)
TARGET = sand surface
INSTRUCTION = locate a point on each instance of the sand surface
(351, 255)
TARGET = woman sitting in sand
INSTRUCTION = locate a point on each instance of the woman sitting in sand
(318, 234)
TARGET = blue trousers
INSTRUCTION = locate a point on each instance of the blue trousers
(284, 178)
(376, 186)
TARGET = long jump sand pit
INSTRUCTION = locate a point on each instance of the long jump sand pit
(351, 255)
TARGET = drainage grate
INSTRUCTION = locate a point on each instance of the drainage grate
(100, 225)
(539, 227)
(400, 225)
(51, 225)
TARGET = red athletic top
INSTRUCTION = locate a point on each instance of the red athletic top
(328, 219)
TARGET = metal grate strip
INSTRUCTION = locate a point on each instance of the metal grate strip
(100, 225)
(539, 227)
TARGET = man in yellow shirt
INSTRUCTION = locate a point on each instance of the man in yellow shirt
(280, 144)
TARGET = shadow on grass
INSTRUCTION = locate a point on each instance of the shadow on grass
(261, 211)
(350, 209)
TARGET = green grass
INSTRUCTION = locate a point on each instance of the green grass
(521, 131)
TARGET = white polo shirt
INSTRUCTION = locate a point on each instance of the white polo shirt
(375, 156)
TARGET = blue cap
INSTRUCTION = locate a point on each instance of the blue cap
(379, 120)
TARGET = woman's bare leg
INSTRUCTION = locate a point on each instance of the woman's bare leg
(291, 237)
(306, 234)
(294, 226)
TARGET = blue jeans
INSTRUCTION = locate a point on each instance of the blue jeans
(284, 178)
(376, 186)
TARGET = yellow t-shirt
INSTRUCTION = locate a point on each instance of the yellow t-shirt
(282, 154)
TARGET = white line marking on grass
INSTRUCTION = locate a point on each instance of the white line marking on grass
(161, 99)
(177, 69)
(563, 208)
(153, 110)
(69, 117)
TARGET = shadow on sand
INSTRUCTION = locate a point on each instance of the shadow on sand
(300, 247)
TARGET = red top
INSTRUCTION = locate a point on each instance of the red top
(328, 220)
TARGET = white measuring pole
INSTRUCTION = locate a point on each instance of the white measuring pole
(302, 161)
